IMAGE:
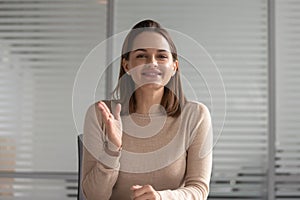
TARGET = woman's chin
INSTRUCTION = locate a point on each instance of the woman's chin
(152, 85)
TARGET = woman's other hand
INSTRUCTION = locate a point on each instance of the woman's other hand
(112, 122)
(144, 192)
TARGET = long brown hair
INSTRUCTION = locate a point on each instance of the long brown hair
(173, 98)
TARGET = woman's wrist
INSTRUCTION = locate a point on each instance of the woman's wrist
(112, 147)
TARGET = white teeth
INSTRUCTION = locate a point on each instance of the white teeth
(151, 73)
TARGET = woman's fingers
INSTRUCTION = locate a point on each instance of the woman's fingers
(146, 196)
(118, 111)
(103, 107)
(113, 123)
(144, 192)
(106, 114)
(135, 187)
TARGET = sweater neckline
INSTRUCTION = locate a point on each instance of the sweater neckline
(142, 115)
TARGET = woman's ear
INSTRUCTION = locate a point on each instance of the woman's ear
(175, 67)
(125, 65)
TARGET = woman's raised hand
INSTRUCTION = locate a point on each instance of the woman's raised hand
(112, 122)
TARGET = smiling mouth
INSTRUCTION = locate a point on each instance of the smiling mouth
(151, 74)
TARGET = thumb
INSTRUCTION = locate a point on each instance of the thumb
(118, 111)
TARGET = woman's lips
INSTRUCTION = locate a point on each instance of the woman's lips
(151, 73)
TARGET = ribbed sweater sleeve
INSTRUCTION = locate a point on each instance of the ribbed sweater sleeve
(100, 166)
(199, 161)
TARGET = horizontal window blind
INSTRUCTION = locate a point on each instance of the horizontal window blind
(41, 188)
(287, 96)
(42, 45)
(234, 32)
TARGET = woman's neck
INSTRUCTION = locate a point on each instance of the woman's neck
(148, 100)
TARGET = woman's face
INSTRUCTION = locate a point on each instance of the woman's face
(150, 61)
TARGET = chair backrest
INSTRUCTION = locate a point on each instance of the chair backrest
(80, 195)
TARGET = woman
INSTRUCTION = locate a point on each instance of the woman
(149, 143)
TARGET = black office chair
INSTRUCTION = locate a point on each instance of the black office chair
(80, 195)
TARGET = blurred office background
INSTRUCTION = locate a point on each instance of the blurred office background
(254, 43)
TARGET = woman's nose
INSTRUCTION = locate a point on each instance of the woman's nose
(152, 61)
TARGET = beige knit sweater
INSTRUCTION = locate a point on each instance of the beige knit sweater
(174, 155)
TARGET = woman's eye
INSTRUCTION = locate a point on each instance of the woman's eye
(141, 56)
(163, 56)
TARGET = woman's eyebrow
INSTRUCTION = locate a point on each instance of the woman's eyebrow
(144, 50)
(140, 50)
(162, 50)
